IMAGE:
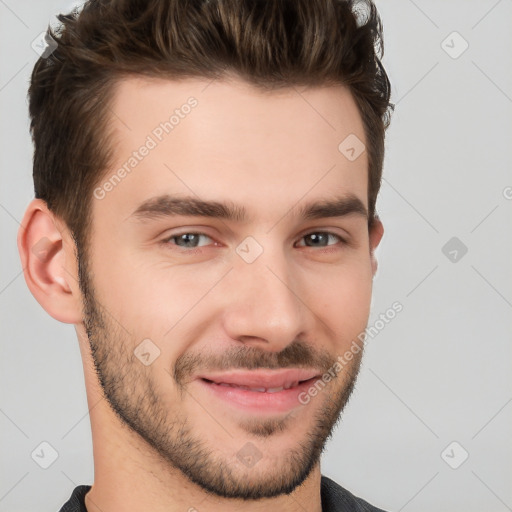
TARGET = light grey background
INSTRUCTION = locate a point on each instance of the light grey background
(438, 373)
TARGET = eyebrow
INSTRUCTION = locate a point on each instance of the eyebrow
(169, 205)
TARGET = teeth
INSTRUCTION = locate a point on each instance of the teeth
(262, 390)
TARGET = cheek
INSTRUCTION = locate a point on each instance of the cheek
(341, 298)
(149, 298)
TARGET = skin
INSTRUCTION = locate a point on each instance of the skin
(160, 441)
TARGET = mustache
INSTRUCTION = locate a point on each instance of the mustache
(296, 355)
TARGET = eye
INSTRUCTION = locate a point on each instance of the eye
(320, 239)
(193, 240)
(189, 240)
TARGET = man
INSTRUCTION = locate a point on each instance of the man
(206, 176)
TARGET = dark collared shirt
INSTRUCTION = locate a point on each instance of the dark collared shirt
(334, 499)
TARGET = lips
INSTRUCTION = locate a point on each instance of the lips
(263, 381)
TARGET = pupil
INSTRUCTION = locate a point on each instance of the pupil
(317, 238)
(189, 239)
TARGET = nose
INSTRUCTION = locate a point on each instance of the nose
(265, 308)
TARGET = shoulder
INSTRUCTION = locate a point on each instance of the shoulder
(76, 502)
(337, 499)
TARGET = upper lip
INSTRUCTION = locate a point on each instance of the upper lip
(262, 378)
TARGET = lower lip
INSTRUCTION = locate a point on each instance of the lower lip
(257, 401)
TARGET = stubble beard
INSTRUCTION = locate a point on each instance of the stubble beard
(130, 390)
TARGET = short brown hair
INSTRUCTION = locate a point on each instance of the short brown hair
(268, 43)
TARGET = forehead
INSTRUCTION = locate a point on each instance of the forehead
(227, 139)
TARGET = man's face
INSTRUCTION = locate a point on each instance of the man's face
(171, 299)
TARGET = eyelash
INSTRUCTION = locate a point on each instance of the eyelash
(167, 240)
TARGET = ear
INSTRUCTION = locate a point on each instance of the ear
(376, 233)
(47, 253)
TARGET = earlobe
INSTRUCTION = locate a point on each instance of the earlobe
(44, 252)
(376, 233)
